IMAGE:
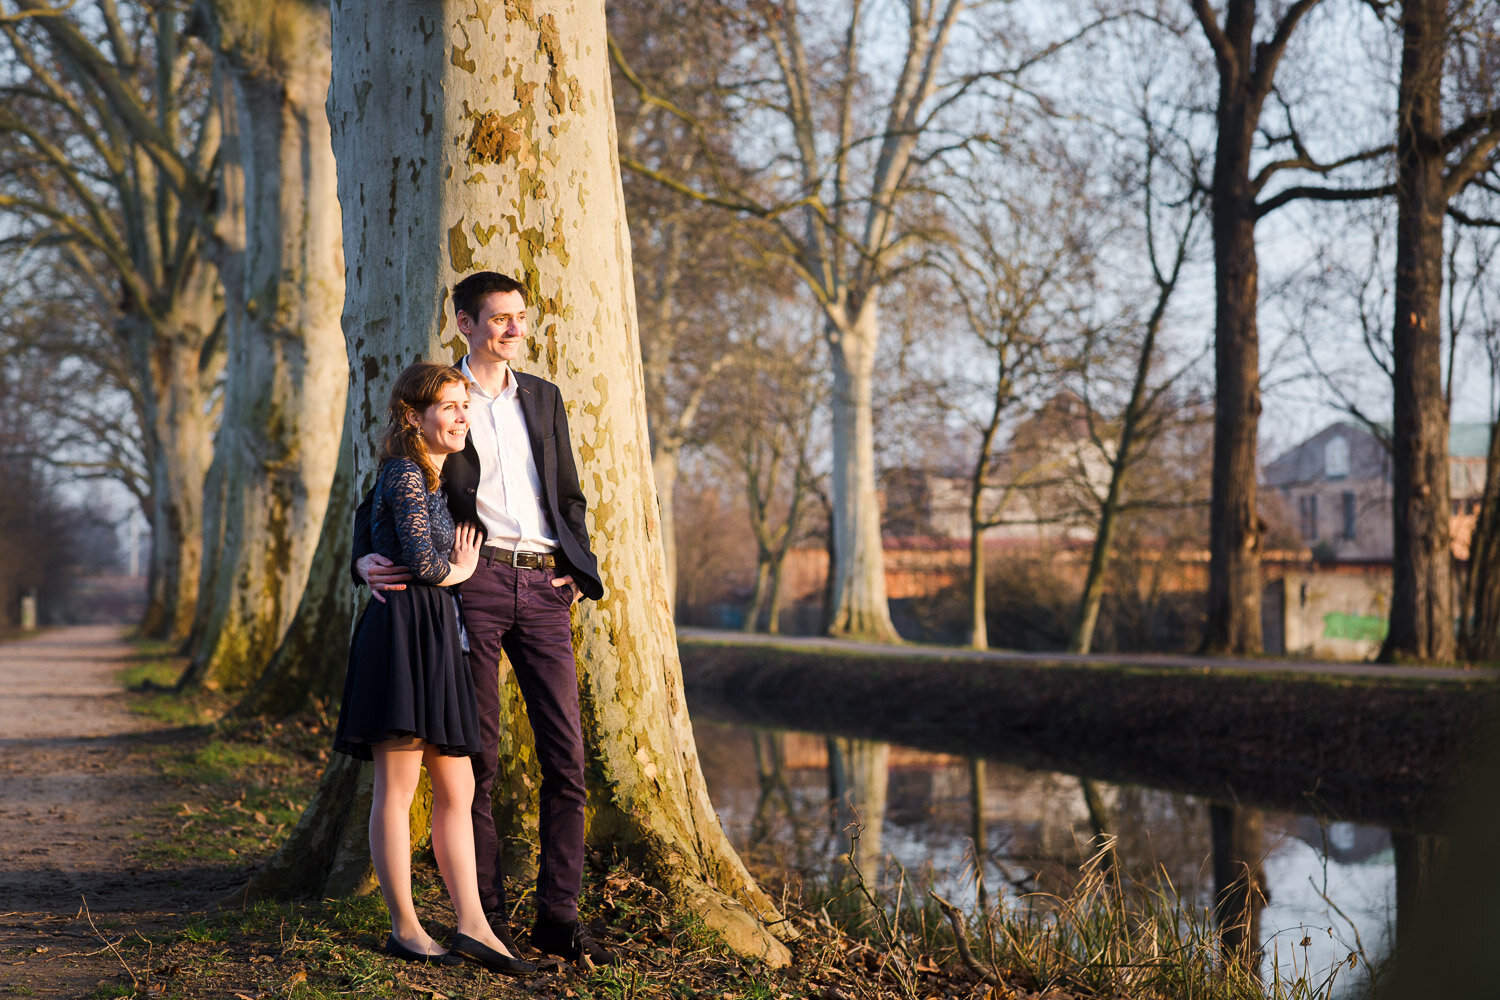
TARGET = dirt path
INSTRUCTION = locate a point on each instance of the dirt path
(78, 791)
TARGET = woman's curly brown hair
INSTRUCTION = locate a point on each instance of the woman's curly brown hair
(415, 389)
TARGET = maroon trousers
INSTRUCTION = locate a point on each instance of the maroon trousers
(519, 611)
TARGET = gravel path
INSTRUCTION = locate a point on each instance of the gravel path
(78, 791)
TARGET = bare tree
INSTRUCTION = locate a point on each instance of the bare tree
(1016, 269)
(1433, 165)
(110, 139)
(691, 260)
(768, 421)
(1247, 78)
(1143, 415)
(845, 170)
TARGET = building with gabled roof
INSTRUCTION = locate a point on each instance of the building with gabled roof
(1336, 488)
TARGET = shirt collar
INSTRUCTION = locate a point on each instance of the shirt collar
(509, 392)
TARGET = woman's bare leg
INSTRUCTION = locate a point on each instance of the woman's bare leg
(398, 766)
(453, 842)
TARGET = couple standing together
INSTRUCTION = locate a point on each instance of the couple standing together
(473, 542)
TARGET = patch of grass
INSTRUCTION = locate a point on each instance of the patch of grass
(1099, 940)
(151, 676)
(243, 786)
(152, 666)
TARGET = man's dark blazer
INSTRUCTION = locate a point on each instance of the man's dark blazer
(562, 497)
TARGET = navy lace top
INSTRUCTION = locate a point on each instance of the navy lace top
(409, 524)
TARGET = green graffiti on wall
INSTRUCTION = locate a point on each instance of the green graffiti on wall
(1361, 628)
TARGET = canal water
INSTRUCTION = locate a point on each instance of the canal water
(1332, 885)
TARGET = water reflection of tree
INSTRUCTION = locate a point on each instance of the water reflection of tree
(770, 772)
(858, 783)
(1240, 892)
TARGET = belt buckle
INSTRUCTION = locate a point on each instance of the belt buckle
(515, 559)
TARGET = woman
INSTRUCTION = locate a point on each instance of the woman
(408, 694)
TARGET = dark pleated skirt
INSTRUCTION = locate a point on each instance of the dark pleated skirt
(408, 676)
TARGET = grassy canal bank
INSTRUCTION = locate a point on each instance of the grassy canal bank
(1395, 750)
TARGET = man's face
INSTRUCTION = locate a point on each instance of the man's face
(499, 330)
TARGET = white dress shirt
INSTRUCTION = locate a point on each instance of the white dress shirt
(509, 498)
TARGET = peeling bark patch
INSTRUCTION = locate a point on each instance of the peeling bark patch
(485, 233)
(460, 254)
(496, 138)
(550, 44)
(483, 12)
(460, 59)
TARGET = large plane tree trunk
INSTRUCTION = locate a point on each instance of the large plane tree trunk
(516, 170)
(177, 365)
(308, 667)
(860, 609)
(278, 443)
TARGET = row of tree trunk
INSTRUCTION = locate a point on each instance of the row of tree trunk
(375, 136)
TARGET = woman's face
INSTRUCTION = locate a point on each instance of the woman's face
(445, 423)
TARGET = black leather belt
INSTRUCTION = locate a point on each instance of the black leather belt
(521, 560)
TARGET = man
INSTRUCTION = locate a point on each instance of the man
(517, 479)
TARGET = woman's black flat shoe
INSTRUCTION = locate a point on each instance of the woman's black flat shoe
(488, 957)
(396, 949)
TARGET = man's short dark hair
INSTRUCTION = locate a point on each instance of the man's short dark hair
(470, 293)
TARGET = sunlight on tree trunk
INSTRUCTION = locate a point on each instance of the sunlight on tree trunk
(516, 171)
(179, 426)
(860, 609)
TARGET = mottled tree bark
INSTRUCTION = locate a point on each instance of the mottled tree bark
(514, 169)
(177, 367)
(860, 609)
(308, 667)
(278, 443)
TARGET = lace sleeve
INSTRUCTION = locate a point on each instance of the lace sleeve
(405, 491)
